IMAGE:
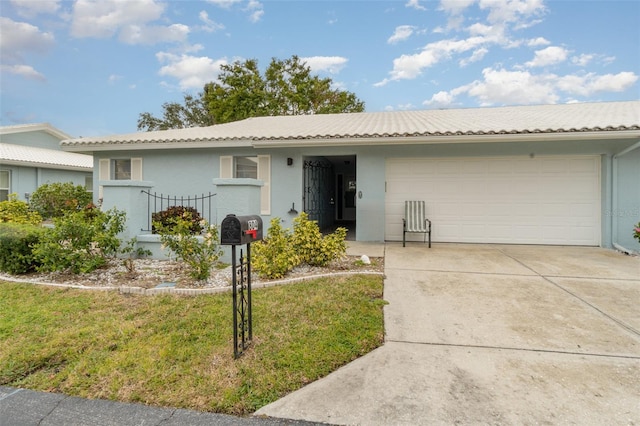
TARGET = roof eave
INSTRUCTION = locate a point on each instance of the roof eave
(140, 145)
(449, 139)
(36, 127)
(46, 165)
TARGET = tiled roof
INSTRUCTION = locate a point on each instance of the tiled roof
(46, 158)
(585, 117)
(46, 127)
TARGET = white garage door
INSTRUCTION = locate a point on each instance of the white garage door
(520, 200)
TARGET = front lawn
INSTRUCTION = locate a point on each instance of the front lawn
(177, 351)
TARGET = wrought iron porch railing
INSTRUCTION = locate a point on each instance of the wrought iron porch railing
(159, 202)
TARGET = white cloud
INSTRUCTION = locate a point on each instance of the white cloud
(253, 7)
(401, 33)
(582, 60)
(415, 4)
(441, 99)
(591, 83)
(512, 11)
(455, 7)
(192, 72)
(25, 71)
(105, 18)
(31, 8)
(521, 87)
(129, 19)
(209, 26)
(152, 34)
(501, 86)
(501, 17)
(255, 10)
(410, 66)
(479, 29)
(114, 78)
(400, 107)
(548, 56)
(538, 41)
(477, 55)
(225, 4)
(17, 38)
(330, 64)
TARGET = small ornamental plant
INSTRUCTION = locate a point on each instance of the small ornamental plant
(17, 211)
(80, 241)
(199, 252)
(166, 219)
(283, 250)
(314, 248)
(636, 232)
(56, 199)
(274, 256)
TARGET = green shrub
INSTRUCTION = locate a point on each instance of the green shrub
(166, 219)
(16, 211)
(80, 241)
(176, 234)
(275, 255)
(312, 247)
(130, 251)
(55, 199)
(16, 242)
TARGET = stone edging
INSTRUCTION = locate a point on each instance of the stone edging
(185, 291)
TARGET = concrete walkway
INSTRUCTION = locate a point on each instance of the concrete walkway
(493, 334)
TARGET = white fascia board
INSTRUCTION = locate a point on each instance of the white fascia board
(141, 146)
(45, 165)
(454, 139)
(37, 127)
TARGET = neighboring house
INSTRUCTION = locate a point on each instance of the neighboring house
(30, 156)
(551, 174)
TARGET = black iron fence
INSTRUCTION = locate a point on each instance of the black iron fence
(159, 202)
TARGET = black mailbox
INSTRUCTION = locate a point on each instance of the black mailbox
(236, 230)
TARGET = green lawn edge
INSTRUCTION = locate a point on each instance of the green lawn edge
(177, 351)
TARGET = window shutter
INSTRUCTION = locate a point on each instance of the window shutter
(264, 174)
(103, 169)
(103, 173)
(226, 167)
(136, 169)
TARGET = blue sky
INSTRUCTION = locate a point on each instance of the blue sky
(91, 67)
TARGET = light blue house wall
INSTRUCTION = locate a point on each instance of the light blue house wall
(25, 180)
(26, 176)
(193, 171)
(37, 139)
(625, 211)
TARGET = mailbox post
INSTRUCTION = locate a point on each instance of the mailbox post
(235, 231)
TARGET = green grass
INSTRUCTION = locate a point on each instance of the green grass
(177, 351)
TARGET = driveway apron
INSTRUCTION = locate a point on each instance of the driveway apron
(493, 334)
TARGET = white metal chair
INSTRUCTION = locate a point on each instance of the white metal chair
(415, 220)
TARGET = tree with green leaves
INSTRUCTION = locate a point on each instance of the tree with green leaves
(287, 87)
(192, 113)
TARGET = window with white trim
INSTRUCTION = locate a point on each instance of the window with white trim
(252, 167)
(246, 167)
(88, 183)
(5, 185)
(121, 169)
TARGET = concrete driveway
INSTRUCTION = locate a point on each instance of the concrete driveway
(493, 334)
